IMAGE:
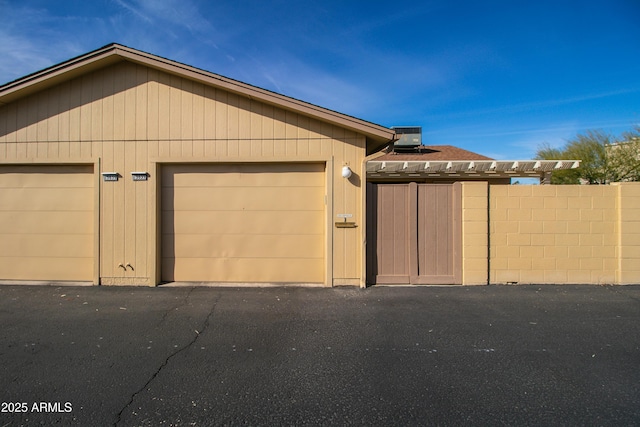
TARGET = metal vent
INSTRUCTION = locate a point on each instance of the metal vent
(408, 137)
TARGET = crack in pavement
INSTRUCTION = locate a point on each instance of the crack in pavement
(172, 309)
(199, 332)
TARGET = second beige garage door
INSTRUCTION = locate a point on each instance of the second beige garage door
(243, 223)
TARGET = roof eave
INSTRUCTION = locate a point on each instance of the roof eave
(58, 73)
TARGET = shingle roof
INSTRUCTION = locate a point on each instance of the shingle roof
(434, 153)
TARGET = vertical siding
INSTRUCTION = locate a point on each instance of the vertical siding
(127, 115)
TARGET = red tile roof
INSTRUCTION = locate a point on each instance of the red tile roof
(434, 153)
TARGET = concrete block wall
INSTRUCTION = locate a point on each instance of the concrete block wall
(565, 234)
(629, 237)
(475, 248)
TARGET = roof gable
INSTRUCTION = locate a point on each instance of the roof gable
(376, 135)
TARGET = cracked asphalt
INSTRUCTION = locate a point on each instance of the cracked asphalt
(490, 355)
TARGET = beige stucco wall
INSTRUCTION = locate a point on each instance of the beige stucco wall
(129, 117)
(564, 234)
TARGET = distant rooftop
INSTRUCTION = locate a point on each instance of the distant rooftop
(433, 153)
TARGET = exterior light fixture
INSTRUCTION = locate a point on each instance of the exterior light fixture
(139, 176)
(346, 172)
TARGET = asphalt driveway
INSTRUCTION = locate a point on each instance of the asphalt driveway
(491, 355)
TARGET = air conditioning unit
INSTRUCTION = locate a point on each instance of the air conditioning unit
(408, 137)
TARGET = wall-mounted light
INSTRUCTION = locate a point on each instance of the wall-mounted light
(110, 176)
(346, 172)
(139, 176)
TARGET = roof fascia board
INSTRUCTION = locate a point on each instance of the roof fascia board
(57, 73)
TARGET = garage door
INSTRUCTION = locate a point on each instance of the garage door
(46, 223)
(243, 223)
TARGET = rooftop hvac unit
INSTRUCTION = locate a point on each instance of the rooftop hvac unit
(408, 137)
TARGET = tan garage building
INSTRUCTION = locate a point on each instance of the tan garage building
(123, 168)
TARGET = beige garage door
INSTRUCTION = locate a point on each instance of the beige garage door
(46, 223)
(243, 223)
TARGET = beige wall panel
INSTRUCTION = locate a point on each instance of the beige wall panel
(52, 121)
(97, 108)
(64, 106)
(141, 190)
(6, 113)
(118, 107)
(210, 117)
(21, 131)
(153, 105)
(141, 95)
(221, 114)
(117, 237)
(75, 97)
(223, 203)
(164, 107)
(347, 200)
(130, 202)
(32, 128)
(47, 223)
(107, 204)
(198, 115)
(139, 257)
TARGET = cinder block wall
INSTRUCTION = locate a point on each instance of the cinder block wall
(475, 241)
(564, 234)
(629, 217)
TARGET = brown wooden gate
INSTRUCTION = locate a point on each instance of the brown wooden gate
(414, 233)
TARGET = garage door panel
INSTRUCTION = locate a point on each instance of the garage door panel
(244, 175)
(46, 222)
(247, 222)
(244, 223)
(46, 269)
(46, 199)
(20, 176)
(244, 245)
(50, 222)
(238, 270)
(251, 199)
(39, 246)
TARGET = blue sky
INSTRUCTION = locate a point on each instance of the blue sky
(496, 77)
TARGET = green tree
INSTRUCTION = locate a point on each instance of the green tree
(624, 157)
(565, 176)
(604, 158)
